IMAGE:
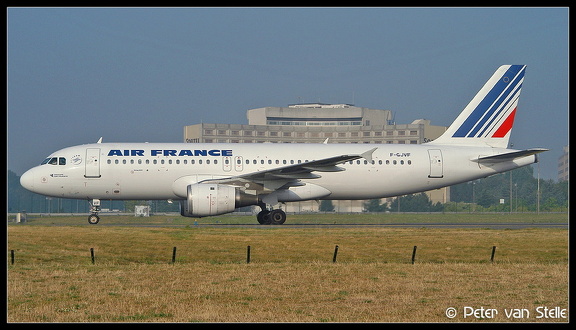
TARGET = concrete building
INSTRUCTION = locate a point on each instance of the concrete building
(564, 165)
(314, 123)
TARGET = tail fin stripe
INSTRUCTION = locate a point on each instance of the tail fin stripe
(493, 97)
(506, 126)
(500, 104)
(499, 116)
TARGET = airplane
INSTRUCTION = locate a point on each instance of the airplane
(210, 179)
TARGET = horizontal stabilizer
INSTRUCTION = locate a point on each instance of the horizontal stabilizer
(509, 156)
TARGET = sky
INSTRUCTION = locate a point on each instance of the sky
(142, 74)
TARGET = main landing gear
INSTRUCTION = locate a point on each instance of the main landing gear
(270, 217)
(94, 208)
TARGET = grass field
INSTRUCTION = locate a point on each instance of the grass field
(291, 276)
(314, 218)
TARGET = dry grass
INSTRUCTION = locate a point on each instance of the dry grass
(291, 277)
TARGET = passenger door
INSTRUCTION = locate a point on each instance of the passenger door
(92, 167)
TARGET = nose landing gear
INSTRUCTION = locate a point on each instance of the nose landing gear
(94, 208)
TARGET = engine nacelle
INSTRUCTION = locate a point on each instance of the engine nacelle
(206, 199)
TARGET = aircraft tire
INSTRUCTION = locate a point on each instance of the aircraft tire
(277, 217)
(93, 219)
(263, 217)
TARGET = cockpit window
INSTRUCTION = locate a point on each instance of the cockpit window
(54, 161)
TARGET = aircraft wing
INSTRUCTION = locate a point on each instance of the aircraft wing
(289, 176)
(508, 156)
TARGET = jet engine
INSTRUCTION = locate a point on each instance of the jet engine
(206, 199)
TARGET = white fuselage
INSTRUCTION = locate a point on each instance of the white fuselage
(128, 171)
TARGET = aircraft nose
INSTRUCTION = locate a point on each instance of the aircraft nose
(27, 180)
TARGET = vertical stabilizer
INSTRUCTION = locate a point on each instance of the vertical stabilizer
(487, 120)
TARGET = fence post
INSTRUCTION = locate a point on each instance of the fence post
(248, 254)
(335, 253)
(493, 252)
(174, 255)
(12, 256)
(414, 254)
(92, 255)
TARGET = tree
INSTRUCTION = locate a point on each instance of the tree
(415, 203)
(374, 205)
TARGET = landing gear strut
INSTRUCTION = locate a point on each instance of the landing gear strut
(270, 217)
(94, 208)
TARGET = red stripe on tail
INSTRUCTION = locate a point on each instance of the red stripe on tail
(506, 126)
